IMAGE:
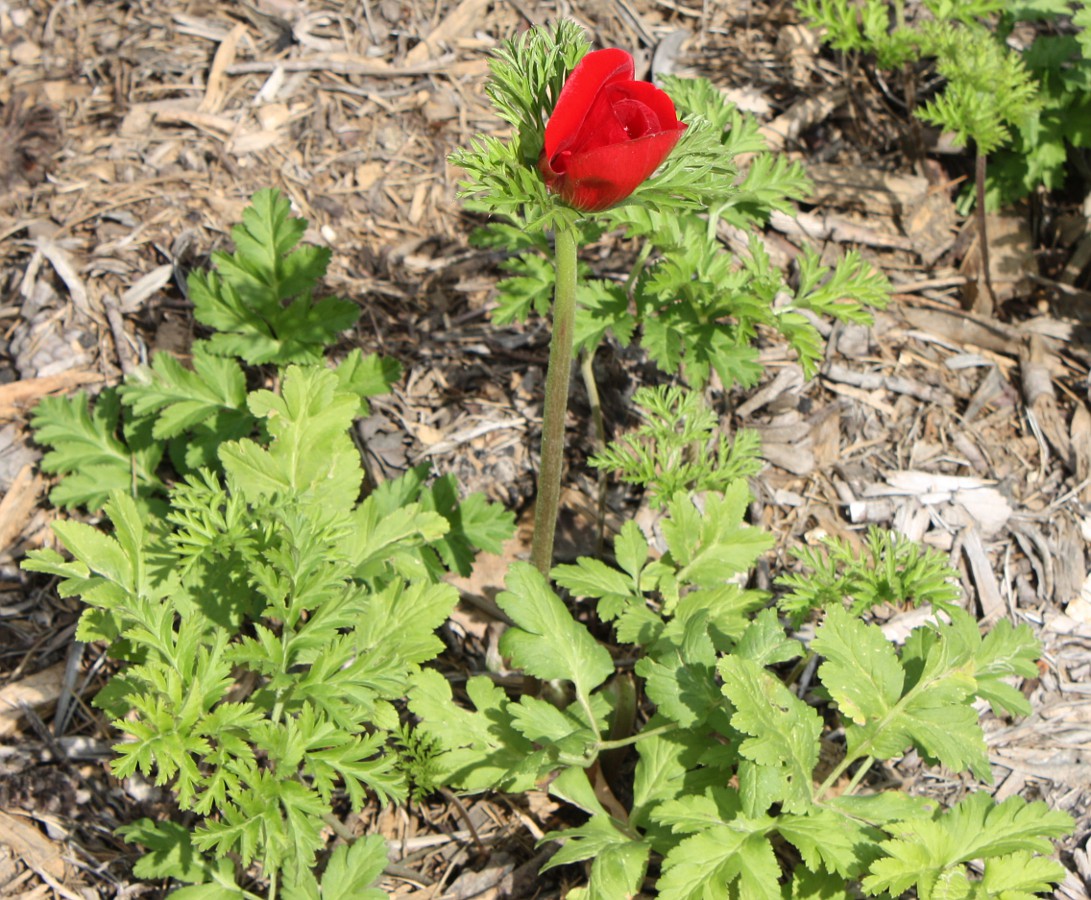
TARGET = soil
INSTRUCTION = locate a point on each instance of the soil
(132, 135)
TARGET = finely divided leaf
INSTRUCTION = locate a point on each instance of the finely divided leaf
(926, 852)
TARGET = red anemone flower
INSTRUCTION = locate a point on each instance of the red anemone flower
(607, 133)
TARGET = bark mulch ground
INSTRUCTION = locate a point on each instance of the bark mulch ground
(131, 137)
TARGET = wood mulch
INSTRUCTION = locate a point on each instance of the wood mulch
(132, 135)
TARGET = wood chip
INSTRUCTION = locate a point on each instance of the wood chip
(216, 89)
(37, 690)
(32, 847)
(1037, 383)
(988, 589)
(18, 505)
(463, 18)
(18, 396)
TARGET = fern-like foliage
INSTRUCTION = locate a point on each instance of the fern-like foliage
(674, 450)
(694, 306)
(989, 89)
(1026, 109)
(340, 600)
(889, 568)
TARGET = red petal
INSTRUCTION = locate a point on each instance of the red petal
(649, 95)
(607, 175)
(581, 88)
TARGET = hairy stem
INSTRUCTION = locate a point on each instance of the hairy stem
(587, 370)
(556, 401)
(986, 299)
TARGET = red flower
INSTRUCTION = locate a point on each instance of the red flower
(607, 133)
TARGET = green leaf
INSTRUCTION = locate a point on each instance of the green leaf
(366, 376)
(765, 643)
(311, 453)
(680, 680)
(353, 868)
(170, 852)
(925, 851)
(664, 768)
(547, 642)
(861, 670)
(694, 813)
(713, 546)
(934, 713)
(783, 731)
(180, 398)
(259, 300)
(542, 723)
(85, 448)
(830, 841)
(474, 524)
(1021, 876)
(705, 864)
(99, 552)
(1006, 651)
(482, 749)
(619, 864)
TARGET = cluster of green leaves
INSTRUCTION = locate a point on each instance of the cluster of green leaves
(695, 305)
(728, 795)
(676, 449)
(259, 299)
(1031, 105)
(723, 718)
(888, 569)
(267, 615)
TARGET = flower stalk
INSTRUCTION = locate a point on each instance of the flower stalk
(555, 409)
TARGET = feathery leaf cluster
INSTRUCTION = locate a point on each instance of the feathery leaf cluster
(1026, 109)
(674, 449)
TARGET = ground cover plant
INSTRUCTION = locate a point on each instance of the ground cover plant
(273, 614)
(1025, 110)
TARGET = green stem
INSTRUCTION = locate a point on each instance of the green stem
(556, 400)
(985, 302)
(861, 771)
(587, 370)
(842, 767)
(636, 738)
